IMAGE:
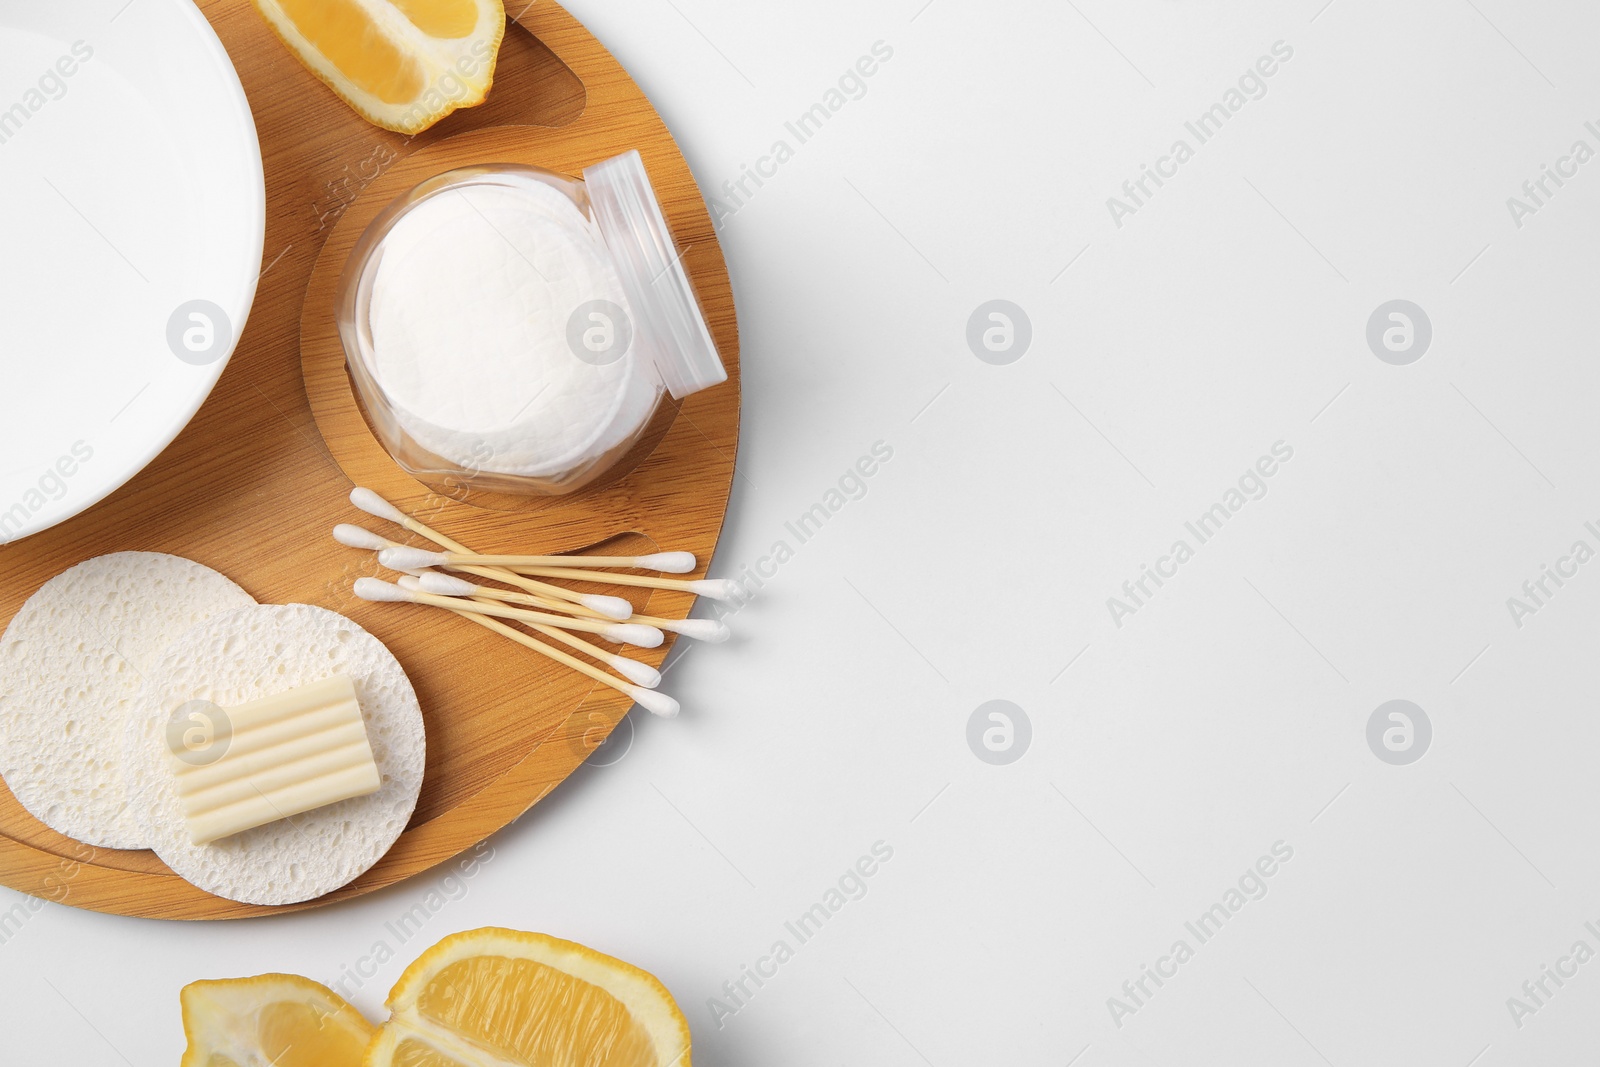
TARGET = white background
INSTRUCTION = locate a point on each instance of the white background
(1228, 713)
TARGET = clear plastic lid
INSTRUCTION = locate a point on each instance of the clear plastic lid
(672, 330)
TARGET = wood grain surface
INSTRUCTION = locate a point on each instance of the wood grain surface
(261, 475)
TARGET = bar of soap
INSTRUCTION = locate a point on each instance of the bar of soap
(246, 766)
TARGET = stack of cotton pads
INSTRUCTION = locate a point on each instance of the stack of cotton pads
(95, 664)
(471, 306)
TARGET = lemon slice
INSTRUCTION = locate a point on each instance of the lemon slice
(403, 64)
(275, 1020)
(501, 998)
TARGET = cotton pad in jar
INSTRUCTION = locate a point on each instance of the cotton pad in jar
(515, 330)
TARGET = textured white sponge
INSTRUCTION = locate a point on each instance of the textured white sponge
(71, 662)
(257, 652)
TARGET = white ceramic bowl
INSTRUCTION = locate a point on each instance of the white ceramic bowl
(133, 200)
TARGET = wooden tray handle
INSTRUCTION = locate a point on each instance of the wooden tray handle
(608, 95)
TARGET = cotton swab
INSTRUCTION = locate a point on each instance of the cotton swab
(612, 607)
(636, 672)
(449, 585)
(356, 537)
(665, 562)
(619, 632)
(708, 630)
(373, 504)
(698, 629)
(648, 699)
(608, 608)
(360, 538)
(615, 607)
(715, 588)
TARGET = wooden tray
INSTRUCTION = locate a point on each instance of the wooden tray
(261, 475)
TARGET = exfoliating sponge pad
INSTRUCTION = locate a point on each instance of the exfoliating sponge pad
(71, 663)
(257, 652)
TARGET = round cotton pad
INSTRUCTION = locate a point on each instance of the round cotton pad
(253, 653)
(470, 312)
(71, 663)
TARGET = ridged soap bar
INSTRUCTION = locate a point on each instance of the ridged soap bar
(273, 758)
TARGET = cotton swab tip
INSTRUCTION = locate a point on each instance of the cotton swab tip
(402, 558)
(722, 589)
(355, 537)
(634, 633)
(612, 607)
(377, 589)
(668, 562)
(444, 584)
(636, 672)
(373, 504)
(656, 703)
(708, 630)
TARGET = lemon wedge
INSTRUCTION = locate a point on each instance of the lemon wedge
(403, 64)
(502, 998)
(274, 1020)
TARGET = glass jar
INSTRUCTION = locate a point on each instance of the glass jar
(514, 330)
